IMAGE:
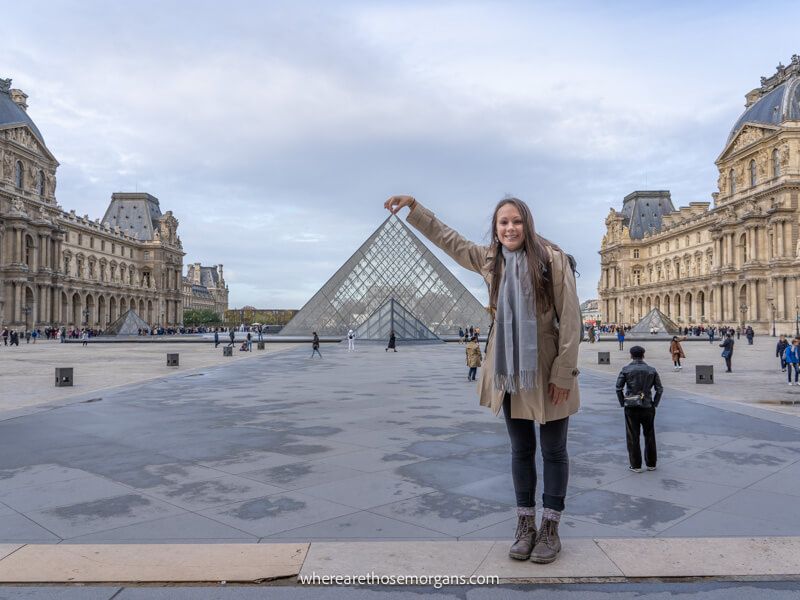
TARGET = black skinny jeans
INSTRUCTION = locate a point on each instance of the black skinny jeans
(523, 465)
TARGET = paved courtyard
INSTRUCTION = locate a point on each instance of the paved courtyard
(376, 445)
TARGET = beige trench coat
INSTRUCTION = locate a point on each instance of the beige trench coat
(559, 328)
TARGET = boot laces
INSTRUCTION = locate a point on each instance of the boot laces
(547, 529)
(525, 527)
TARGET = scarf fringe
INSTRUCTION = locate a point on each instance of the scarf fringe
(513, 384)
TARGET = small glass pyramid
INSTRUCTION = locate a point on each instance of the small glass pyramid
(391, 264)
(655, 318)
(391, 316)
(129, 323)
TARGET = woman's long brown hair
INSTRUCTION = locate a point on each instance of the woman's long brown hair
(535, 247)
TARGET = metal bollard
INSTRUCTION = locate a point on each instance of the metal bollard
(227, 351)
(63, 376)
(704, 374)
(172, 360)
(604, 358)
(260, 345)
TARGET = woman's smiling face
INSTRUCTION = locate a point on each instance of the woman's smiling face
(510, 228)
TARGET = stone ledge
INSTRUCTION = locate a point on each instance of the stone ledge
(581, 560)
(151, 563)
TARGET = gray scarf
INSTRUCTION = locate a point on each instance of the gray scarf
(515, 343)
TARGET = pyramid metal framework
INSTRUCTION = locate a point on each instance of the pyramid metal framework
(129, 323)
(391, 263)
(655, 318)
(391, 316)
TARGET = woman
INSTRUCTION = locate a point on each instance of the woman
(621, 337)
(530, 368)
(392, 342)
(473, 357)
(676, 351)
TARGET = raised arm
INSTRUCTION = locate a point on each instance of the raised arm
(468, 254)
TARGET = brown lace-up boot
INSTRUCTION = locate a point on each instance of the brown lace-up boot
(548, 544)
(525, 537)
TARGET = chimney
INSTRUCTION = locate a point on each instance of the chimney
(221, 278)
(20, 98)
(196, 273)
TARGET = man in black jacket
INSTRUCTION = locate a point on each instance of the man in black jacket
(727, 351)
(640, 378)
(780, 349)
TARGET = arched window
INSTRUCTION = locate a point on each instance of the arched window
(19, 175)
(40, 184)
(776, 164)
(752, 173)
(733, 182)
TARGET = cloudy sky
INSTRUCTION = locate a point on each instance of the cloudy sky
(275, 131)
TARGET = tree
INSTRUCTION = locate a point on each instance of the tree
(203, 316)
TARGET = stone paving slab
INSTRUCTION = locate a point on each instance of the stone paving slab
(394, 558)
(152, 563)
(707, 557)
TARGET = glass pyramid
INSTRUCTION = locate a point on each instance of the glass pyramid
(391, 316)
(128, 323)
(655, 318)
(391, 264)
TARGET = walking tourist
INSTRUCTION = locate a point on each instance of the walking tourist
(621, 337)
(5, 336)
(315, 345)
(749, 334)
(351, 341)
(791, 355)
(85, 337)
(727, 350)
(392, 342)
(532, 297)
(249, 342)
(780, 349)
(473, 357)
(216, 338)
(738, 332)
(676, 350)
(232, 336)
(634, 391)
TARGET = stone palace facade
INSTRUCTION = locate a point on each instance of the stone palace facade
(737, 262)
(57, 268)
(204, 288)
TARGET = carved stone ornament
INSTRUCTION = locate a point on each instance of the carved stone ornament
(18, 207)
(785, 155)
(747, 136)
(5, 85)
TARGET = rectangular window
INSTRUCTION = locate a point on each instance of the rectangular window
(103, 245)
(146, 255)
(113, 248)
(91, 242)
(80, 239)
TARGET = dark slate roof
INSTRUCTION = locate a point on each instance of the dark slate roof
(209, 276)
(136, 214)
(12, 115)
(643, 211)
(773, 108)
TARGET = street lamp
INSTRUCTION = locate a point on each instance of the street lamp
(797, 319)
(772, 308)
(26, 310)
(86, 313)
(743, 310)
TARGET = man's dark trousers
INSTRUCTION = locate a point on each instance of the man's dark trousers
(644, 418)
